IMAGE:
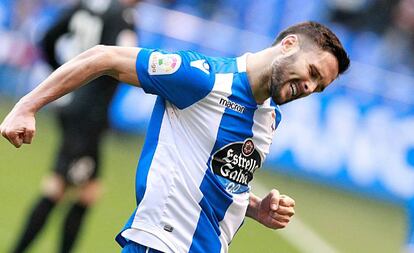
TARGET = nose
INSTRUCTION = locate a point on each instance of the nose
(309, 87)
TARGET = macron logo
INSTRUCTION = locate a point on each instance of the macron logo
(201, 65)
(232, 105)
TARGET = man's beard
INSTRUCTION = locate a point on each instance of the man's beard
(279, 78)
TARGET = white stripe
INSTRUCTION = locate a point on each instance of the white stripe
(241, 63)
(232, 220)
(298, 233)
(267, 102)
(262, 128)
(223, 83)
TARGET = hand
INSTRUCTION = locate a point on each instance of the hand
(275, 210)
(19, 126)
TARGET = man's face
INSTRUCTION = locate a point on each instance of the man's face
(301, 74)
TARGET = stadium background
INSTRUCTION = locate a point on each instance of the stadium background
(347, 157)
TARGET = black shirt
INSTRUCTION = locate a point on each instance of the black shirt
(87, 24)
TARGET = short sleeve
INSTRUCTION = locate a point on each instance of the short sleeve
(182, 77)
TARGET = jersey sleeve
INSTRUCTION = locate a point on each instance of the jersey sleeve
(182, 77)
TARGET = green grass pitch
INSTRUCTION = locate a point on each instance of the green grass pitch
(349, 223)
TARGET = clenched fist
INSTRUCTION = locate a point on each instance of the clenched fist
(19, 126)
(273, 211)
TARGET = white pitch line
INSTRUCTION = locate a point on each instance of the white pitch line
(298, 233)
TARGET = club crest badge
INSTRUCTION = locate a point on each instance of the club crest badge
(248, 147)
(163, 64)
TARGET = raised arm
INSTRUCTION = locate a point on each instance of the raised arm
(119, 62)
(273, 211)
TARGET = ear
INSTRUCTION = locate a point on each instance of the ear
(290, 44)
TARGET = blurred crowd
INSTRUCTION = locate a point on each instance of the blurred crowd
(384, 27)
(375, 32)
(22, 25)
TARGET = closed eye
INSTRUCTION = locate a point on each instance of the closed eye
(316, 75)
(314, 72)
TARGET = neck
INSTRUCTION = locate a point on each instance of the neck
(259, 72)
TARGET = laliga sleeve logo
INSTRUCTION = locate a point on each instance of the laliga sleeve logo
(163, 64)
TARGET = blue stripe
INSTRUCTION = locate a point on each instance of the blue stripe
(234, 127)
(119, 238)
(278, 116)
(223, 65)
(141, 67)
(277, 111)
(145, 161)
(214, 205)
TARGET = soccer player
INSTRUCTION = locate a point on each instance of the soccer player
(211, 128)
(83, 117)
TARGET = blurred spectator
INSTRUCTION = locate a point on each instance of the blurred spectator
(399, 50)
(398, 42)
(371, 15)
(82, 115)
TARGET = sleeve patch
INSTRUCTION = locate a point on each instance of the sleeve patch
(163, 64)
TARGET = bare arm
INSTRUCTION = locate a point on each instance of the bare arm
(119, 62)
(252, 209)
(273, 211)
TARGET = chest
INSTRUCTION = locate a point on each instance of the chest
(218, 121)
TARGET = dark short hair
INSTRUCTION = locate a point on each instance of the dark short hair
(323, 37)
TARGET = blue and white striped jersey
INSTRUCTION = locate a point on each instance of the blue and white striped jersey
(206, 138)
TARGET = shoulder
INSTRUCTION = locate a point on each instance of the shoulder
(182, 77)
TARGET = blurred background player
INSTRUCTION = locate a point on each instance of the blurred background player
(82, 116)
